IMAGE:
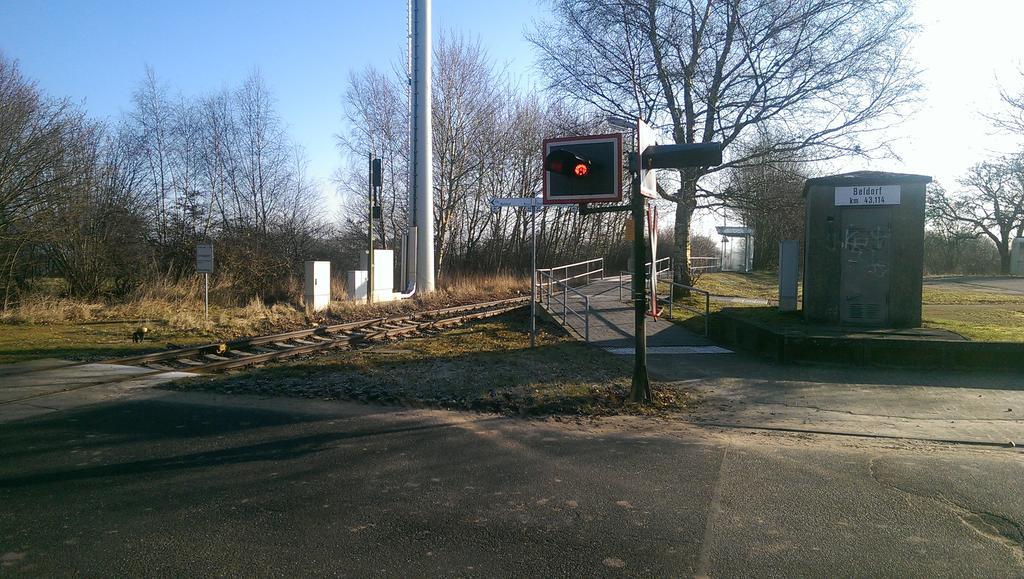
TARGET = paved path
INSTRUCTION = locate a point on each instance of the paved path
(974, 407)
(611, 325)
(49, 385)
(1003, 284)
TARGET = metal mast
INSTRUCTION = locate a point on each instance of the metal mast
(422, 203)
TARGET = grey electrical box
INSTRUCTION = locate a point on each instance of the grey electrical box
(864, 249)
(1017, 257)
(789, 274)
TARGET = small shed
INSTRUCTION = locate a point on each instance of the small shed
(864, 249)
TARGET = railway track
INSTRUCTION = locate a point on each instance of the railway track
(251, 351)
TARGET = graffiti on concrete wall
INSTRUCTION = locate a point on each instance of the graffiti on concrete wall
(867, 249)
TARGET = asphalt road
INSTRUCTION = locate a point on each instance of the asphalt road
(191, 484)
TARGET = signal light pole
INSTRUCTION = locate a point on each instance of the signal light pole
(640, 391)
(569, 156)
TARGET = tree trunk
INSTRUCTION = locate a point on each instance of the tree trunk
(1004, 259)
(684, 214)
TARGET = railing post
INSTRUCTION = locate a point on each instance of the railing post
(586, 321)
(707, 312)
(565, 302)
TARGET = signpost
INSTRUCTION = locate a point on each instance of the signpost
(204, 265)
(534, 204)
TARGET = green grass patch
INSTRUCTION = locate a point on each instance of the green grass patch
(88, 342)
(764, 285)
(946, 296)
(759, 284)
(485, 366)
(985, 322)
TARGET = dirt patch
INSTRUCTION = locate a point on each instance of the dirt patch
(485, 366)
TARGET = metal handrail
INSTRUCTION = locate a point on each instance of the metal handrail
(590, 271)
(713, 263)
(707, 304)
(647, 267)
(562, 298)
(667, 260)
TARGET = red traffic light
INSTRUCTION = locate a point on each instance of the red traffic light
(566, 163)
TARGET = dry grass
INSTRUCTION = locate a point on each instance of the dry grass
(45, 325)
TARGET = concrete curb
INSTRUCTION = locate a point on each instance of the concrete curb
(787, 347)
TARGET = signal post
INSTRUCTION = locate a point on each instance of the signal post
(588, 169)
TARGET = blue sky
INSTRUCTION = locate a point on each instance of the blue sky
(96, 52)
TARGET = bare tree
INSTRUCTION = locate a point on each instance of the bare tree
(487, 142)
(949, 243)
(820, 73)
(1011, 118)
(38, 137)
(376, 113)
(767, 195)
(152, 119)
(991, 204)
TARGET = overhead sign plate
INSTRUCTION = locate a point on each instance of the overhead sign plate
(867, 195)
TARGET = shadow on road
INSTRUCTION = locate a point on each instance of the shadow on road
(156, 422)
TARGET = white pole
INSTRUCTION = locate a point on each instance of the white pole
(533, 279)
(206, 295)
(424, 151)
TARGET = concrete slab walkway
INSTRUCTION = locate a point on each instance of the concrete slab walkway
(611, 324)
(44, 386)
(744, 392)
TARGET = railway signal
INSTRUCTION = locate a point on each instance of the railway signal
(567, 163)
(583, 169)
(588, 169)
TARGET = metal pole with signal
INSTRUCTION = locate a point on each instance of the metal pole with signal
(641, 387)
(369, 231)
(588, 169)
(376, 181)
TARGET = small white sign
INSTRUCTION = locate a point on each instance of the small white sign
(868, 195)
(646, 137)
(204, 258)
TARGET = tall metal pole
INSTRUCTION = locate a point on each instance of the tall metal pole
(424, 150)
(641, 387)
(409, 247)
(369, 251)
(206, 295)
(533, 277)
